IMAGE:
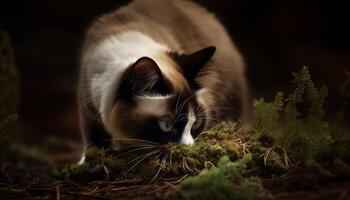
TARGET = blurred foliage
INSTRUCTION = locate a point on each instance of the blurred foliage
(9, 78)
(308, 137)
(13, 152)
(9, 95)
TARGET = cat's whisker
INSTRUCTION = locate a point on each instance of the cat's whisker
(199, 108)
(182, 117)
(204, 132)
(219, 107)
(135, 159)
(208, 118)
(177, 104)
(161, 167)
(202, 110)
(138, 161)
(152, 81)
(212, 118)
(184, 103)
(135, 140)
(135, 150)
(157, 156)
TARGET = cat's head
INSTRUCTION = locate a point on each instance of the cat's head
(158, 99)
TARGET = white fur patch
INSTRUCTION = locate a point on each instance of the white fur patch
(187, 138)
(82, 160)
(204, 99)
(200, 95)
(154, 105)
(107, 62)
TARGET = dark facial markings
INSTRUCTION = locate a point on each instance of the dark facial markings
(181, 105)
(177, 115)
(192, 63)
(145, 78)
(148, 127)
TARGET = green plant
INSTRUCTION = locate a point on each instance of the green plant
(223, 182)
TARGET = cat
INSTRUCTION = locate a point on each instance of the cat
(159, 71)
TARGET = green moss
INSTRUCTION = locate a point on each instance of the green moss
(170, 160)
(97, 167)
(222, 182)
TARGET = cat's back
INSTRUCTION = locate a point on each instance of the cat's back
(180, 24)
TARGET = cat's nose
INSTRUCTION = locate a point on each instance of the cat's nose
(187, 139)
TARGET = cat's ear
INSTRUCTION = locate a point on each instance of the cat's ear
(144, 76)
(192, 63)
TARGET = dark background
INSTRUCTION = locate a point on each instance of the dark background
(275, 38)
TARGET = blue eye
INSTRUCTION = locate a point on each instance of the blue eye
(196, 124)
(166, 124)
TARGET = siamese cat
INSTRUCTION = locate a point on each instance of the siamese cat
(159, 71)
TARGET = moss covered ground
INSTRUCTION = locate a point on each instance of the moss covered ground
(287, 151)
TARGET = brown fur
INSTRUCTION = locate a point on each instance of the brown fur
(184, 27)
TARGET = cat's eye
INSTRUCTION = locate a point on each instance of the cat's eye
(166, 124)
(196, 124)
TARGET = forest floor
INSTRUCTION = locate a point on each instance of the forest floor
(289, 151)
(132, 190)
(37, 184)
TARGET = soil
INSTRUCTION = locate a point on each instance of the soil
(293, 185)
